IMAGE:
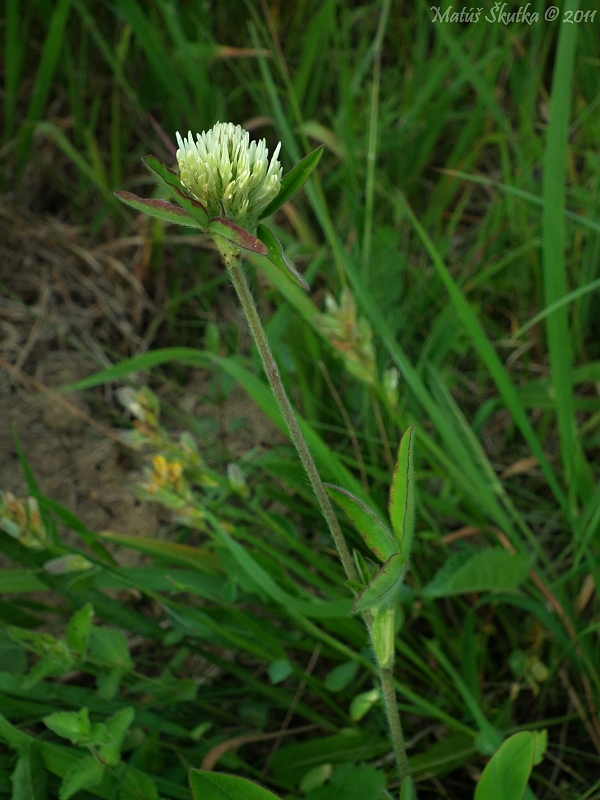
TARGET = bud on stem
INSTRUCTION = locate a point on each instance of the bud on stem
(383, 635)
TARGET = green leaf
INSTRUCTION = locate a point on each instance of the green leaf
(116, 728)
(279, 670)
(408, 791)
(217, 786)
(352, 782)
(383, 587)
(350, 744)
(78, 629)
(72, 725)
(315, 777)
(198, 558)
(402, 494)
(494, 569)
(363, 703)
(70, 562)
(226, 229)
(136, 785)
(170, 181)
(29, 779)
(83, 774)
(293, 181)
(13, 655)
(109, 648)
(540, 745)
(161, 209)
(507, 773)
(341, 676)
(277, 257)
(444, 756)
(108, 684)
(375, 534)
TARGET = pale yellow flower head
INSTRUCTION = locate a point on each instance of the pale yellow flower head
(228, 174)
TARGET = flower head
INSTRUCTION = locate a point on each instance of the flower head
(351, 336)
(228, 174)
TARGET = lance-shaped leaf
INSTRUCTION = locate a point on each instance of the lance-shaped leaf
(383, 586)
(293, 181)
(226, 229)
(161, 209)
(402, 494)
(277, 256)
(170, 181)
(375, 534)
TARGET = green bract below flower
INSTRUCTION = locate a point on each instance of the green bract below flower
(226, 185)
(231, 176)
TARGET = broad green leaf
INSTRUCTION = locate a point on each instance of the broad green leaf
(494, 569)
(277, 257)
(402, 494)
(137, 785)
(72, 725)
(78, 629)
(107, 684)
(83, 774)
(294, 181)
(316, 777)
(109, 648)
(161, 209)
(29, 779)
(363, 703)
(116, 728)
(226, 229)
(109, 651)
(341, 676)
(507, 773)
(375, 534)
(170, 181)
(47, 667)
(217, 786)
(383, 587)
(280, 670)
(352, 782)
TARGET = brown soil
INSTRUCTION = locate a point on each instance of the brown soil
(63, 306)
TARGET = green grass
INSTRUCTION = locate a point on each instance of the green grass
(458, 198)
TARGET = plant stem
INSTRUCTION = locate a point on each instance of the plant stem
(232, 261)
(386, 676)
(233, 264)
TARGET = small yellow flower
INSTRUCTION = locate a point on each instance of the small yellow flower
(22, 520)
(166, 475)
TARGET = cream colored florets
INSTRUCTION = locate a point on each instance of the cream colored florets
(228, 174)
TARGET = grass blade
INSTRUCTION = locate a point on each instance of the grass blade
(555, 275)
(372, 137)
(490, 358)
(14, 48)
(46, 69)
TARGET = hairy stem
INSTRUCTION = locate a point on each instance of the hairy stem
(386, 676)
(240, 283)
(233, 263)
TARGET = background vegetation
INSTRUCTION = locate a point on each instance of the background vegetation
(463, 216)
